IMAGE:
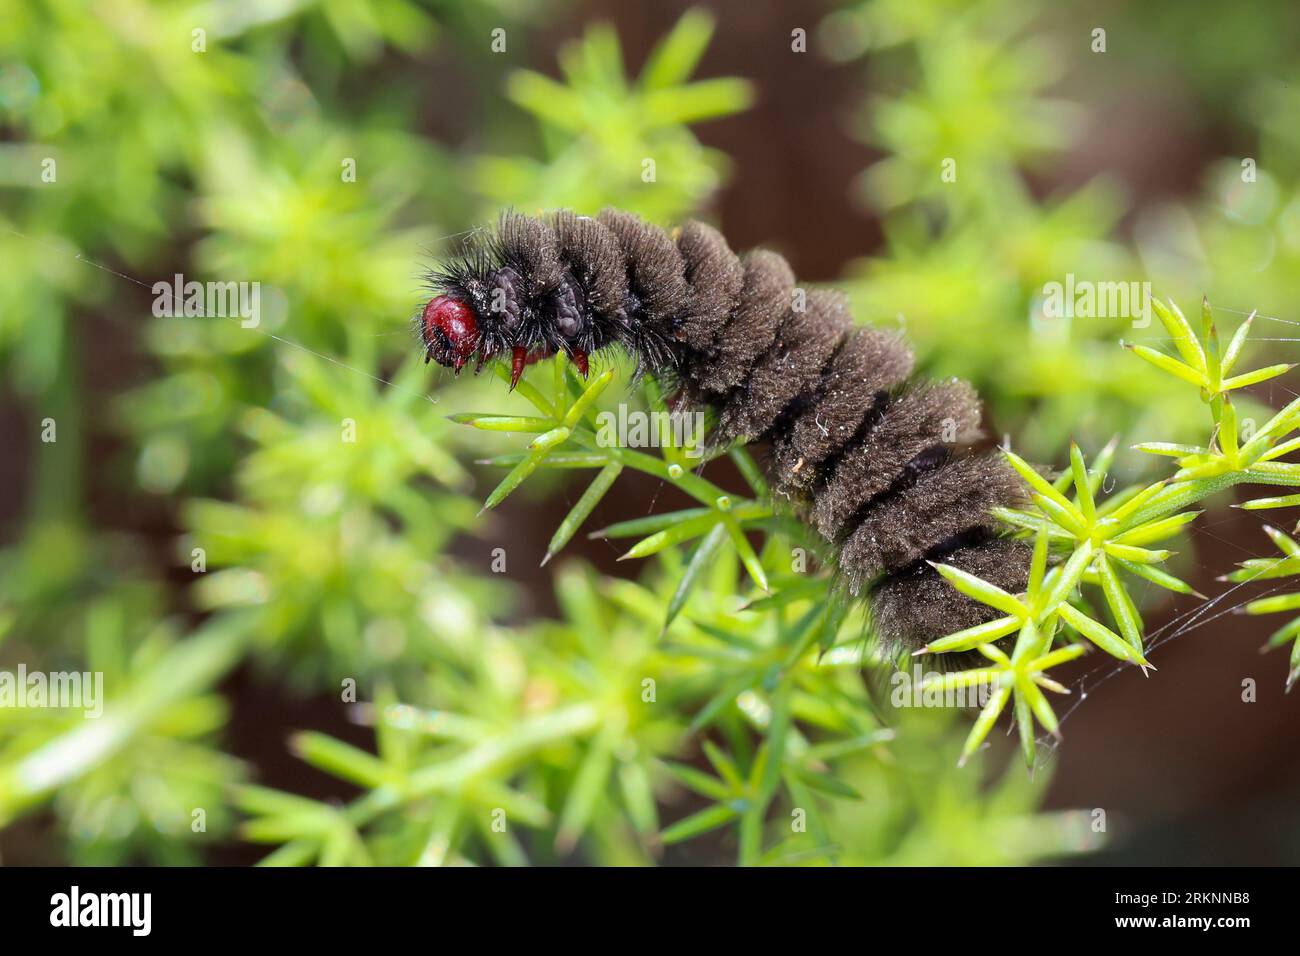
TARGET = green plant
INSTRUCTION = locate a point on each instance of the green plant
(144, 777)
(605, 136)
(1103, 545)
(527, 758)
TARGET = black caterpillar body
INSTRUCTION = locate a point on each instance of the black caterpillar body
(878, 463)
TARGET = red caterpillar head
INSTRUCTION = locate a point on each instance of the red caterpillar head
(450, 332)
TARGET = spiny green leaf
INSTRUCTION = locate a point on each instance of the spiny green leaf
(1121, 604)
(1038, 563)
(540, 448)
(825, 783)
(586, 789)
(957, 680)
(802, 590)
(1235, 346)
(1122, 515)
(1040, 484)
(1257, 376)
(1155, 530)
(1059, 656)
(579, 408)
(1082, 487)
(559, 459)
(981, 590)
(1277, 451)
(984, 723)
(698, 823)
(1031, 522)
(1281, 423)
(1180, 331)
(724, 765)
(1041, 708)
(675, 57)
(699, 564)
(1101, 465)
(1134, 554)
(1101, 635)
(1168, 364)
(1227, 433)
(265, 801)
(1273, 604)
(749, 470)
(1157, 576)
(1067, 518)
(1285, 543)
(503, 423)
(341, 759)
(649, 524)
(1168, 448)
(972, 636)
(702, 100)
(638, 796)
(583, 508)
(836, 611)
(1065, 578)
(1025, 723)
(746, 551)
(697, 780)
(676, 534)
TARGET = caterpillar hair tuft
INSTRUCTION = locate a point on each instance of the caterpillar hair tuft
(881, 465)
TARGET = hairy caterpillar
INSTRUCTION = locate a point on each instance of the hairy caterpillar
(878, 463)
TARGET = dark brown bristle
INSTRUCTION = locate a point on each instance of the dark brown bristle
(938, 507)
(765, 298)
(656, 274)
(591, 253)
(792, 367)
(716, 277)
(925, 416)
(871, 364)
(529, 246)
(916, 606)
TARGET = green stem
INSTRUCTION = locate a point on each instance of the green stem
(703, 491)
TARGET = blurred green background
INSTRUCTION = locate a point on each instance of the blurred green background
(307, 648)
